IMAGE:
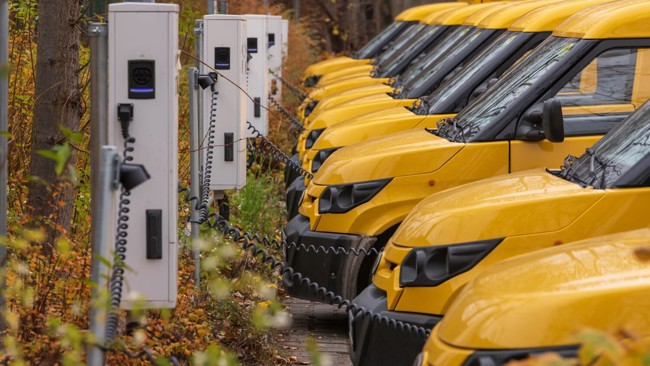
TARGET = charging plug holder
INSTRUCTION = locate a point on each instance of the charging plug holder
(132, 175)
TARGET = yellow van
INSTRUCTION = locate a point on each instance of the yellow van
(450, 237)
(436, 106)
(403, 22)
(363, 192)
(447, 25)
(451, 96)
(403, 50)
(537, 303)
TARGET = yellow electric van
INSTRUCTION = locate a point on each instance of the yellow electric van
(364, 191)
(356, 87)
(405, 49)
(451, 237)
(430, 109)
(539, 302)
(318, 144)
(403, 22)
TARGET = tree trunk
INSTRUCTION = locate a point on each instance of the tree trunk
(57, 105)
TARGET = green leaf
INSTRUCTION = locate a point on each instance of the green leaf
(60, 154)
(73, 136)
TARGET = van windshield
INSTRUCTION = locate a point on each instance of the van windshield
(402, 40)
(467, 43)
(520, 79)
(507, 43)
(372, 48)
(419, 43)
(413, 72)
(613, 155)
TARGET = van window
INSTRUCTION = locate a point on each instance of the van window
(433, 55)
(433, 69)
(506, 43)
(614, 81)
(614, 154)
(485, 109)
(401, 40)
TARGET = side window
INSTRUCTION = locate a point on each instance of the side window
(603, 93)
(608, 79)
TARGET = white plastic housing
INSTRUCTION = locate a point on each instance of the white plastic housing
(148, 32)
(285, 39)
(274, 30)
(226, 32)
(258, 72)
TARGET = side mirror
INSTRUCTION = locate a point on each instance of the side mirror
(553, 121)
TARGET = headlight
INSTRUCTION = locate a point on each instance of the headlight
(431, 266)
(344, 197)
(311, 81)
(502, 357)
(312, 137)
(320, 158)
(310, 107)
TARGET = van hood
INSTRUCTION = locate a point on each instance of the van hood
(597, 283)
(367, 126)
(355, 108)
(350, 95)
(504, 206)
(400, 154)
(332, 64)
(343, 85)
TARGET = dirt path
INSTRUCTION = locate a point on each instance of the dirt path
(326, 324)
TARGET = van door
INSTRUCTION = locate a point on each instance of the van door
(613, 87)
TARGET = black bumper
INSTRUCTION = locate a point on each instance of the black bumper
(376, 343)
(336, 272)
(295, 192)
(290, 174)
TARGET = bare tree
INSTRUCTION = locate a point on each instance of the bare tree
(57, 105)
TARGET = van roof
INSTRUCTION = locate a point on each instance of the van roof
(618, 19)
(418, 13)
(504, 18)
(458, 15)
(547, 18)
(492, 8)
(430, 19)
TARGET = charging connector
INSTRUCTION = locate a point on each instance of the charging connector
(125, 116)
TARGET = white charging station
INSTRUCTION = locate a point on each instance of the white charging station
(258, 72)
(143, 78)
(225, 50)
(274, 31)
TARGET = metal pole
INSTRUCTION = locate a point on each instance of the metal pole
(296, 10)
(101, 201)
(4, 127)
(195, 174)
(198, 52)
(103, 195)
(222, 6)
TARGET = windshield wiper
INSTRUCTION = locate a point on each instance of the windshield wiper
(593, 158)
(448, 126)
(420, 107)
